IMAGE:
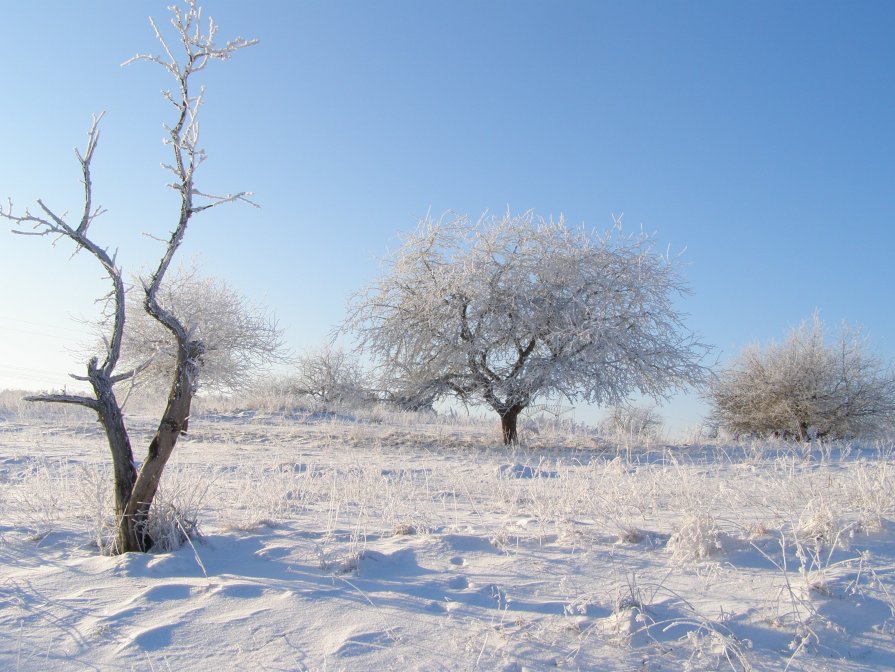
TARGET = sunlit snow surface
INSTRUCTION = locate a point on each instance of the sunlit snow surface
(406, 543)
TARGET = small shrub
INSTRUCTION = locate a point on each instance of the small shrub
(697, 539)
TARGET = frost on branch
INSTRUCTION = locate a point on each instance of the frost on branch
(507, 310)
(183, 137)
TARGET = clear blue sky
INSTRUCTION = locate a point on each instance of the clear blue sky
(759, 136)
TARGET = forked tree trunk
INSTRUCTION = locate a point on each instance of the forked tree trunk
(135, 491)
(508, 424)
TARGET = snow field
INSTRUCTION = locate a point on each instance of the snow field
(326, 544)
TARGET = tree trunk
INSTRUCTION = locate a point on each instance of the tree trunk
(508, 424)
(174, 422)
(125, 473)
(125, 476)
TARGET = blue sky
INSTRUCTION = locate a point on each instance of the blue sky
(755, 137)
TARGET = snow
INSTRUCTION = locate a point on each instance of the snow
(330, 543)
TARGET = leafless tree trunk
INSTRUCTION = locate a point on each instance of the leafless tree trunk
(134, 491)
(508, 422)
(174, 422)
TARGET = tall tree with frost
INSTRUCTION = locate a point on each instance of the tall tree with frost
(507, 310)
(135, 490)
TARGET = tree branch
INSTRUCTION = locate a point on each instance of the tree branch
(63, 398)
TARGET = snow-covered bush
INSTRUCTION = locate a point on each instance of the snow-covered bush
(241, 341)
(331, 375)
(805, 388)
(697, 538)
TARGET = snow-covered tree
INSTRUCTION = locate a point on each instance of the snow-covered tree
(135, 490)
(241, 341)
(806, 387)
(505, 310)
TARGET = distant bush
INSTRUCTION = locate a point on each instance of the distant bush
(331, 375)
(803, 388)
(632, 421)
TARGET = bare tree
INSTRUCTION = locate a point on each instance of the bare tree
(805, 387)
(241, 341)
(507, 310)
(135, 490)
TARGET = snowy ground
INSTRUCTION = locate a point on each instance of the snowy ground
(328, 544)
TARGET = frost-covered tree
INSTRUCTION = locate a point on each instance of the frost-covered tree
(135, 490)
(806, 387)
(241, 341)
(503, 311)
(330, 375)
